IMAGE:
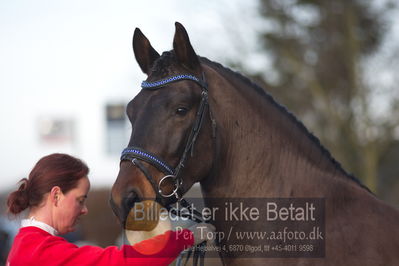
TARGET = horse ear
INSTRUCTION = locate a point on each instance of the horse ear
(183, 49)
(145, 54)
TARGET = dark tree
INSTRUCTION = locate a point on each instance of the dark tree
(319, 52)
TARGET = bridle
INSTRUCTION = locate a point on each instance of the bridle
(136, 154)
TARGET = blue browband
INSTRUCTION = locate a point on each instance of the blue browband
(162, 82)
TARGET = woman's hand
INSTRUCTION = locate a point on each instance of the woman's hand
(202, 232)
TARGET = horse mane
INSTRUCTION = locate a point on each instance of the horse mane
(262, 92)
(161, 67)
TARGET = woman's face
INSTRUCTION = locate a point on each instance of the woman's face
(71, 206)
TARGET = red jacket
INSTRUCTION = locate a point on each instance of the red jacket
(33, 246)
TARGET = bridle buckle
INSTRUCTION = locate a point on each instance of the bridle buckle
(177, 185)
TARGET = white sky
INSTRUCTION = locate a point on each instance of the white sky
(67, 58)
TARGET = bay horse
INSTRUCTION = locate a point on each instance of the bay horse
(197, 121)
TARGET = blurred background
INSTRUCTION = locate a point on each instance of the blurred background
(67, 71)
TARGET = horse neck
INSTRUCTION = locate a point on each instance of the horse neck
(262, 149)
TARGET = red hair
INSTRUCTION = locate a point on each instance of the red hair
(56, 169)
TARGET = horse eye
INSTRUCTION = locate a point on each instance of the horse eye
(181, 111)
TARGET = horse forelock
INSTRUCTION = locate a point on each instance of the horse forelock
(164, 65)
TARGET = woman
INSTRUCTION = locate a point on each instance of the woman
(55, 195)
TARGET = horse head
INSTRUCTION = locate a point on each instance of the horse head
(170, 147)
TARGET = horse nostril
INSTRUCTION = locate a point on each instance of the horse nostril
(130, 200)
